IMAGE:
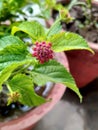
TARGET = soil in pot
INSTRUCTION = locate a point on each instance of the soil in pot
(15, 110)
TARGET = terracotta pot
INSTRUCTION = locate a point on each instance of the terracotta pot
(83, 65)
(28, 120)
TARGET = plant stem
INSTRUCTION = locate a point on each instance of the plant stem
(9, 88)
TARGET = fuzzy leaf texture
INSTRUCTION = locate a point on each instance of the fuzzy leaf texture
(12, 49)
(24, 85)
(66, 41)
(34, 29)
(55, 72)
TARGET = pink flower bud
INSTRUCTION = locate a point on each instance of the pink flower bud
(42, 51)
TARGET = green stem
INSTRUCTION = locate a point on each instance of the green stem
(9, 88)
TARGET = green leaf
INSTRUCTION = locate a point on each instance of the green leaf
(12, 49)
(51, 3)
(13, 53)
(66, 41)
(7, 71)
(24, 85)
(37, 1)
(4, 75)
(55, 72)
(55, 28)
(33, 29)
(7, 60)
(10, 40)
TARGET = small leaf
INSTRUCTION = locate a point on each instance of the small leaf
(55, 28)
(55, 72)
(24, 85)
(33, 29)
(66, 41)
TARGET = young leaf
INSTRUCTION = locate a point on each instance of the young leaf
(55, 72)
(24, 85)
(55, 28)
(66, 41)
(33, 29)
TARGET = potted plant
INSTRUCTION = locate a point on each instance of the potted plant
(21, 69)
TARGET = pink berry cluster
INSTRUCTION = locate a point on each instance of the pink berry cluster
(42, 51)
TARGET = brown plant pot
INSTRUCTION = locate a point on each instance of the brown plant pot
(27, 121)
(83, 65)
